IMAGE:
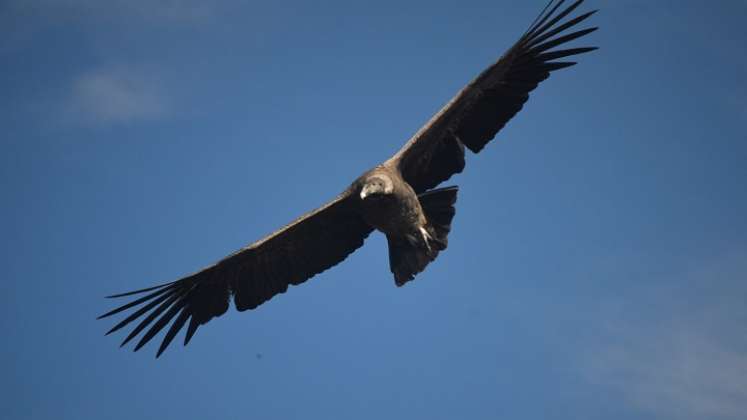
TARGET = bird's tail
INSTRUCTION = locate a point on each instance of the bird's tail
(409, 256)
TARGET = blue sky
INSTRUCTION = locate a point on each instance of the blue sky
(598, 259)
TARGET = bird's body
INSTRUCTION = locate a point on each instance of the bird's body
(396, 198)
(390, 205)
(395, 212)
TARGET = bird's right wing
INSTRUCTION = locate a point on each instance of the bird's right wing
(474, 116)
(307, 246)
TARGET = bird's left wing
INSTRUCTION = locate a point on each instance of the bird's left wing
(307, 246)
(474, 116)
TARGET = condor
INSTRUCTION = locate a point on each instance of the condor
(396, 197)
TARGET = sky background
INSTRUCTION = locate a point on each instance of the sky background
(598, 262)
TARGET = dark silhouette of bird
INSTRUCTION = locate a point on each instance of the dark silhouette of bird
(396, 198)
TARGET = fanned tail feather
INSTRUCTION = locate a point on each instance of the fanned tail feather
(408, 256)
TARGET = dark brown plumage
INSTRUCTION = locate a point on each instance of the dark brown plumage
(394, 198)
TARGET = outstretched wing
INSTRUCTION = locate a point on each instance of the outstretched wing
(309, 245)
(474, 116)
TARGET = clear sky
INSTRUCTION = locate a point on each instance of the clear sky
(598, 260)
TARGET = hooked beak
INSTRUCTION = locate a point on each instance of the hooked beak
(366, 191)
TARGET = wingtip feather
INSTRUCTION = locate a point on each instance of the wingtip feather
(135, 292)
(155, 313)
(545, 25)
(176, 326)
(559, 65)
(193, 324)
(161, 323)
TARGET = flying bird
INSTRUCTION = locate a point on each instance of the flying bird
(396, 198)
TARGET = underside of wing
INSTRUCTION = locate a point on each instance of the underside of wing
(476, 114)
(309, 245)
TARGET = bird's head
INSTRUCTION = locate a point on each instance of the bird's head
(376, 186)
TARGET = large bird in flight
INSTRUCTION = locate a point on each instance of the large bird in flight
(396, 198)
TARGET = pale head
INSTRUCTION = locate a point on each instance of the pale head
(377, 185)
